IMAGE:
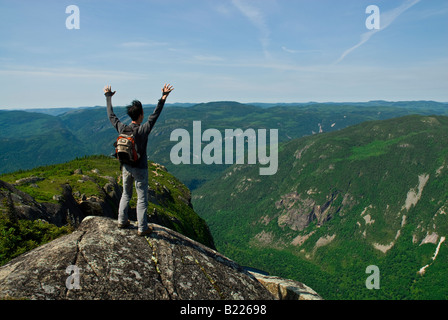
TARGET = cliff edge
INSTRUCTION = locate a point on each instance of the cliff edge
(100, 261)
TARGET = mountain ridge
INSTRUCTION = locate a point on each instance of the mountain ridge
(360, 196)
(292, 121)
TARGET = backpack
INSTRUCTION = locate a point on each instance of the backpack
(126, 149)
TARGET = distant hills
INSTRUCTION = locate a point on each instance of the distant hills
(371, 194)
(29, 139)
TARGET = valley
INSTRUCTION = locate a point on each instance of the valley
(30, 139)
(370, 194)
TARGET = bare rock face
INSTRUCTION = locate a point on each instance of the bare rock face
(100, 261)
(298, 211)
(67, 210)
(285, 289)
(17, 203)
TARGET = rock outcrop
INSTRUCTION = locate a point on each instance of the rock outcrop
(298, 211)
(286, 289)
(100, 261)
(18, 204)
(65, 196)
(67, 210)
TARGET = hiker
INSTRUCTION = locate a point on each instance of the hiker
(137, 171)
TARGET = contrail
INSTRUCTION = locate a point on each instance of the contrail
(386, 20)
(256, 17)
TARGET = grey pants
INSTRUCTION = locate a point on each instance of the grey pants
(140, 178)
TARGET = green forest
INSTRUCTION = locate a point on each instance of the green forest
(366, 191)
(347, 197)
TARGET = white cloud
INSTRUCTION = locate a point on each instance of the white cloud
(25, 71)
(208, 58)
(256, 17)
(141, 44)
(387, 18)
(299, 51)
(222, 9)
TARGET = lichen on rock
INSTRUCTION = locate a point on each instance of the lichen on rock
(117, 264)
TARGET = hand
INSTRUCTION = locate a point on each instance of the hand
(108, 91)
(167, 88)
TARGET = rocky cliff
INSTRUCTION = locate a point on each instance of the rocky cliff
(100, 261)
(65, 194)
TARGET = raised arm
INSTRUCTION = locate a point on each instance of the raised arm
(167, 88)
(110, 112)
(147, 126)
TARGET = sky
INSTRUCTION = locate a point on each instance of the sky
(221, 50)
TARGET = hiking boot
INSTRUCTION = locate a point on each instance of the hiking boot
(124, 225)
(147, 232)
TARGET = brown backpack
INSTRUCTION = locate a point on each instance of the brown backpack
(126, 149)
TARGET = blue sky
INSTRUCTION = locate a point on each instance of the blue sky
(213, 50)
